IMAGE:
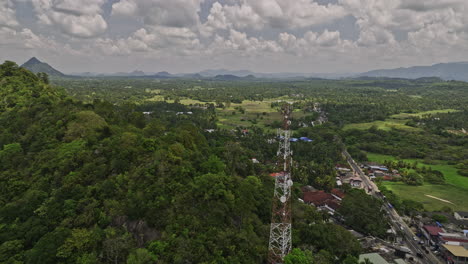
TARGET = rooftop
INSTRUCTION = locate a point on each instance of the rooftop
(373, 257)
(433, 230)
(464, 214)
(318, 198)
(458, 251)
(338, 193)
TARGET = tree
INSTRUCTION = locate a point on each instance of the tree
(351, 260)
(298, 256)
(87, 125)
(413, 178)
(213, 165)
(141, 256)
(439, 218)
(363, 213)
(44, 77)
(8, 68)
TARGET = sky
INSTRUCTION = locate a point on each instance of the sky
(308, 36)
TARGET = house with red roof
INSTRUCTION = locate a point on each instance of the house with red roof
(432, 233)
(338, 194)
(323, 200)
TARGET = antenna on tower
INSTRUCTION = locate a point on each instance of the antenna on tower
(280, 229)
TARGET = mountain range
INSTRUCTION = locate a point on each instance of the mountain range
(446, 71)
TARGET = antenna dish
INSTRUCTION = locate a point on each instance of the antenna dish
(283, 199)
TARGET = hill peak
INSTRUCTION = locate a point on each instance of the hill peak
(33, 60)
(36, 66)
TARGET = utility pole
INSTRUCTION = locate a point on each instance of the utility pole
(280, 229)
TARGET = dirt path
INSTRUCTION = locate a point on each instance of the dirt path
(437, 198)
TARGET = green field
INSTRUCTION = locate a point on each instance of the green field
(386, 125)
(458, 196)
(259, 113)
(456, 189)
(397, 121)
(420, 114)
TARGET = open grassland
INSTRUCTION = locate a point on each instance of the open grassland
(397, 121)
(421, 114)
(450, 172)
(456, 189)
(386, 125)
(458, 196)
(259, 113)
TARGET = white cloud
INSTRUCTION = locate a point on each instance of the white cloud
(259, 14)
(240, 44)
(174, 13)
(7, 14)
(429, 5)
(295, 14)
(26, 39)
(155, 40)
(124, 7)
(394, 32)
(77, 18)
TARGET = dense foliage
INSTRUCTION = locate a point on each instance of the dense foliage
(363, 213)
(103, 183)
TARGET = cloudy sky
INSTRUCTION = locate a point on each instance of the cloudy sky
(259, 35)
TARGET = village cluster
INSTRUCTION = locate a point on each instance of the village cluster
(448, 241)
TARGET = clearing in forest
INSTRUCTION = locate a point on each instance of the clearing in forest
(397, 121)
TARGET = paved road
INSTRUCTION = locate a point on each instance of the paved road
(395, 219)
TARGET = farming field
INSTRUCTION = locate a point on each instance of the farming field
(420, 114)
(388, 124)
(245, 114)
(455, 191)
(456, 195)
(397, 121)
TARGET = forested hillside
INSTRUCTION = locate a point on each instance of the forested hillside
(104, 183)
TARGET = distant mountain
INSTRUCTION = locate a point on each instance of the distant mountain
(191, 76)
(137, 73)
(276, 75)
(124, 74)
(213, 73)
(164, 74)
(227, 77)
(446, 71)
(36, 66)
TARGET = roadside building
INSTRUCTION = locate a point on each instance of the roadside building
(378, 173)
(355, 182)
(461, 215)
(432, 233)
(373, 257)
(455, 254)
(376, 258)
(453, 238)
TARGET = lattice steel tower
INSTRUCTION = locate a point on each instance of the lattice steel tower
(280, 229)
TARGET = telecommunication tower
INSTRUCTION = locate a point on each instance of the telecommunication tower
(280, 229)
